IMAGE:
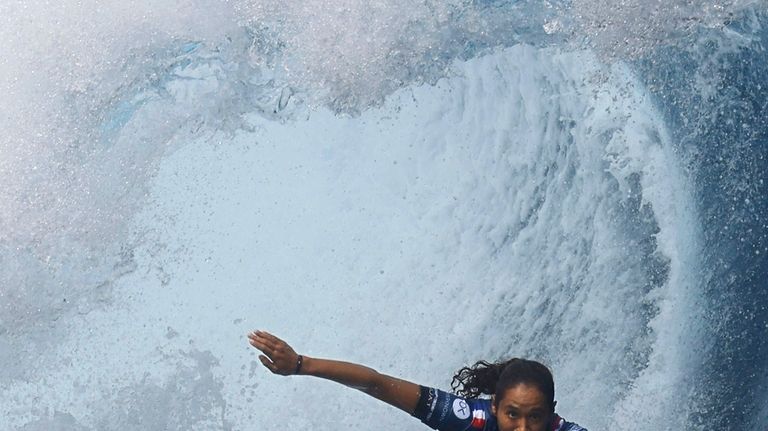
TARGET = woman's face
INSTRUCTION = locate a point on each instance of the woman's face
(522, 408)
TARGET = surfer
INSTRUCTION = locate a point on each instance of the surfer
(522, 391)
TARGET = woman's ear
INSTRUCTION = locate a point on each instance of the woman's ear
(493, 405)
(554, 404)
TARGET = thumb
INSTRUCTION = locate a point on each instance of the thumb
(267, 363)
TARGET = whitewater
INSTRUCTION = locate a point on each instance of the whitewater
(414, 186)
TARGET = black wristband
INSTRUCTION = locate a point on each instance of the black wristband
(298, 364)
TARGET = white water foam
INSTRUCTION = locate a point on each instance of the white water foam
(65, 66)
(110, 89)
(630, 29)
(476, 218)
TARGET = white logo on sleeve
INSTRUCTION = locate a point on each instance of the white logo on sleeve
(460, 409)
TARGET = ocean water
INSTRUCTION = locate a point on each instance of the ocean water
(410, 185)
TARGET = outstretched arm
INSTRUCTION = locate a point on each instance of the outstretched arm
(281, 359)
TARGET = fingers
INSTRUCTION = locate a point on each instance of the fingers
(261, 346)
(258, 339)
(269, 341)
(278, 356)
(271, 338)
(265, 345)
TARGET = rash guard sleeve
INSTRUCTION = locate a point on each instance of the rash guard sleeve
(447, 412)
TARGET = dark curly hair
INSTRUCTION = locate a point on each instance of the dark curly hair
(485, 378)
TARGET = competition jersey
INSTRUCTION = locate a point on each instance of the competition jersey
(447, 412)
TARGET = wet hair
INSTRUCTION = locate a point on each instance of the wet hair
(484, 378)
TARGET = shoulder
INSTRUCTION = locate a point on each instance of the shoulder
(446, 411)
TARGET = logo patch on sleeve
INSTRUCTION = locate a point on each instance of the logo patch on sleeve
(461, 409)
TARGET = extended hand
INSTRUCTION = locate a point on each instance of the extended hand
(278, 356)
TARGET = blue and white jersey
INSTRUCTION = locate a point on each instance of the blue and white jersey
(447, 412)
